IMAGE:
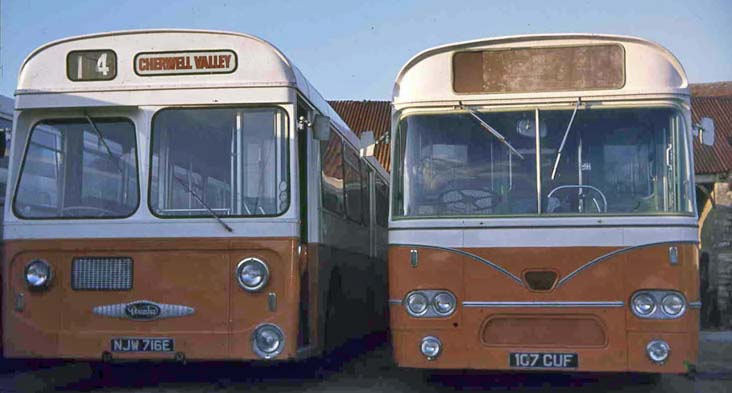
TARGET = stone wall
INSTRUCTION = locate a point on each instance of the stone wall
(716, 260)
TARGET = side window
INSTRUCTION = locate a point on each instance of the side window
(382, 202)
(365, 172)
(352, 179)
(331, 158)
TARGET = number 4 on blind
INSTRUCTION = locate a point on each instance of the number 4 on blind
(102, 64)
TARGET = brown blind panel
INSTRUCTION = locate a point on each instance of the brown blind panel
(526, 70)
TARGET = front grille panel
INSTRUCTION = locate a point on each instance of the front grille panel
(544, 331)
(101, 274)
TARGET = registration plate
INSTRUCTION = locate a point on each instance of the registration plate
(142, 344)
(543, 360)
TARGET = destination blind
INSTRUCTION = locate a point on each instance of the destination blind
(185, 62)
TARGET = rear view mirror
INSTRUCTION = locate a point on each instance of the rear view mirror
(321, 128)
(705, 130)
(368, 144)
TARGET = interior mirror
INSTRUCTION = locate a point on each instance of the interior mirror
(368, 144)
(321, 128)
(706, 131)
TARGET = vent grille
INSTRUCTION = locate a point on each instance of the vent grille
(543, 280)
(101, 274)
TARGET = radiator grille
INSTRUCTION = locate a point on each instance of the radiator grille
(101, 274)
(544, 331)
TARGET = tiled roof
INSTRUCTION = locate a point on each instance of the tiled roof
(708, 100)
(368, 116)
(714, 89)
(716, 158)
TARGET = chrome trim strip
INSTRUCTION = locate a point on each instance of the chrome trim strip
(612, 254)
(395, 301)
(469, 255)
(695, 304)
(612, 304)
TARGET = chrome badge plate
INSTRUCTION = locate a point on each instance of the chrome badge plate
(143, 310)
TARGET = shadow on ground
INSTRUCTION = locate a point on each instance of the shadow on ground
(359, 366)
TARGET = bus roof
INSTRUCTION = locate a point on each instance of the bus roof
(258, 64)
(530, 67)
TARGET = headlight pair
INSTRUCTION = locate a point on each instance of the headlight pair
(658, 304)
(430, 303)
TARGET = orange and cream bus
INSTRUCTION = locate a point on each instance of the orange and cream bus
(542, 208)
(185, 195)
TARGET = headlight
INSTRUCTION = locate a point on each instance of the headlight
(268, 341)
(252, 274)
(417, 303)
(38, 274)
(444, 303)
(644, 304)
(658, 351)
(673, 304)
(430, 347)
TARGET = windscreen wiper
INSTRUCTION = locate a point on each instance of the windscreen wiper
(493, 131)
(564, 139)
(182, 183)
(200, 200)
(114, 158)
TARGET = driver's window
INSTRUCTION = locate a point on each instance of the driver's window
(613, 161)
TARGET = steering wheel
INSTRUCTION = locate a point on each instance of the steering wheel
(460, 200)
(99, 211)
(581, 187)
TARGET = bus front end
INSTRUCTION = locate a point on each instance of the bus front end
(152, 207)
(543, 217)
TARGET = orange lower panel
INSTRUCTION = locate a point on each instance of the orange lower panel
(456, 354)
(60, 321)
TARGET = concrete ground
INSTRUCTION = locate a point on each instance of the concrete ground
(364, 366)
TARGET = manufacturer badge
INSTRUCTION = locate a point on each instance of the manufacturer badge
(143, 310)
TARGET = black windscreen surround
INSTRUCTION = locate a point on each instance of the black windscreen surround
(525, 70)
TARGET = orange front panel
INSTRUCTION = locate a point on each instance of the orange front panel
(498, 312)
(196, 273)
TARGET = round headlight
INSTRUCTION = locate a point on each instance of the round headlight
(268, 341)
(644, 304)
(430, 347)
(38, 274)
(252, 274)
(658, 351)
(444, 303)
(417, 303)
(673, 305)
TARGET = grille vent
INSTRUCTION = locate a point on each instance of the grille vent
(540, 280)
(101, 274)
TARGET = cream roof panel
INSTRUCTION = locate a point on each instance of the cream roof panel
(649, 69)
(259, 62)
